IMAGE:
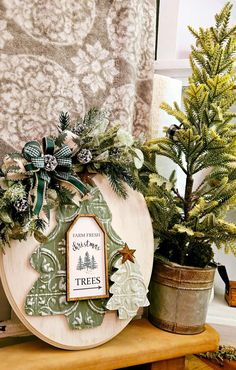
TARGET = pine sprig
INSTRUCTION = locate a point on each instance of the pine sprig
(64, 121)
(117, 185)
(65, 196)
(91, 117)
(118, 177)
(40, 224)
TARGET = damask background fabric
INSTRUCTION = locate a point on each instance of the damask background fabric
(71, 55)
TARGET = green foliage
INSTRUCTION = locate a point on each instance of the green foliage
(105, 149)
(112, 150)
(65, 196)
(185, 226)
(13, 224)
(223, 353)
(119, 175)
(64, 121)
(92, 118)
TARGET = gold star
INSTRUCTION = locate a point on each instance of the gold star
(127, 254)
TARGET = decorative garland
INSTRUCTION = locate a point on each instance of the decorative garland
(48, 175)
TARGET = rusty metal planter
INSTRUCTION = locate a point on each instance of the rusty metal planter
(179, 296)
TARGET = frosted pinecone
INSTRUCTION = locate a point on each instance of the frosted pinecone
(84, 156)
(79, 129)
(116, 152)
(50, 162)
(21, 205)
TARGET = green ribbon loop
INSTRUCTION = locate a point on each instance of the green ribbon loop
(35, 166)
(31, 150)
(38, 162)
(48, 145)
(63, 152)
(64, 162)
(76, 183)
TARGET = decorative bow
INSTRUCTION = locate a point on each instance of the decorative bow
(43, 165)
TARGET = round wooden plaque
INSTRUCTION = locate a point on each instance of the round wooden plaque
(131, 221)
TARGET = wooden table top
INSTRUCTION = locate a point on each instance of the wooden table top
(140, 342)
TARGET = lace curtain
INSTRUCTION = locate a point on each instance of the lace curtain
(71, 55)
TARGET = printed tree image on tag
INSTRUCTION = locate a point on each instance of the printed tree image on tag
(87, 274)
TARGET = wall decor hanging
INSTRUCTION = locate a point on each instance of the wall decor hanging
(75, 234)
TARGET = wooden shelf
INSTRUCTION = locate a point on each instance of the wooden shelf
(139, 343)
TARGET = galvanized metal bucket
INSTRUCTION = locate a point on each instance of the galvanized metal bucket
(179, 297)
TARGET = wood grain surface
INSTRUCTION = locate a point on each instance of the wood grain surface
(132, 223)
(139, 343)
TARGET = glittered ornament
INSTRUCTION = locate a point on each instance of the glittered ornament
(172, 131)
(84, 156)
(50, 162)
(21, 205)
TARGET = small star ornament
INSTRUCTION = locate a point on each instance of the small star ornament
(86, 177)
(127, 254)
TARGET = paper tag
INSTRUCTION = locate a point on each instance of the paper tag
(87, 272)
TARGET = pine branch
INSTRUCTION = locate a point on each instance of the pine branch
(64, 121)
(65, 195)
(118, 176)
(117, 185)
(40, 224)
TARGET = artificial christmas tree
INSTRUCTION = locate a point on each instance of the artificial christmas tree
(186, 224)
(204, 142)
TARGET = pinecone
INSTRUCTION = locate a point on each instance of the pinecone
(84, 156)
(79, 128)
(115, 152)
(21, 205)
(50, 162)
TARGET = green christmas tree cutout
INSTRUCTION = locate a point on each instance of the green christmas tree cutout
(48, 294)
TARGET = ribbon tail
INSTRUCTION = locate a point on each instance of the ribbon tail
(76, 183)
(40, 186)
(48, 145)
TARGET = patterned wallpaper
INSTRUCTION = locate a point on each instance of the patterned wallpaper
(72, 55)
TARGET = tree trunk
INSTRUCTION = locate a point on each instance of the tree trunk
(187, 196)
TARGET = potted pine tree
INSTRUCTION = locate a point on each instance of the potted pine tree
(187, 224)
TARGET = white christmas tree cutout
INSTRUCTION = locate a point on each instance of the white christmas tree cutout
(128, 291)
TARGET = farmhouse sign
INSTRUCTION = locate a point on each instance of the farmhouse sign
(87, 275)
